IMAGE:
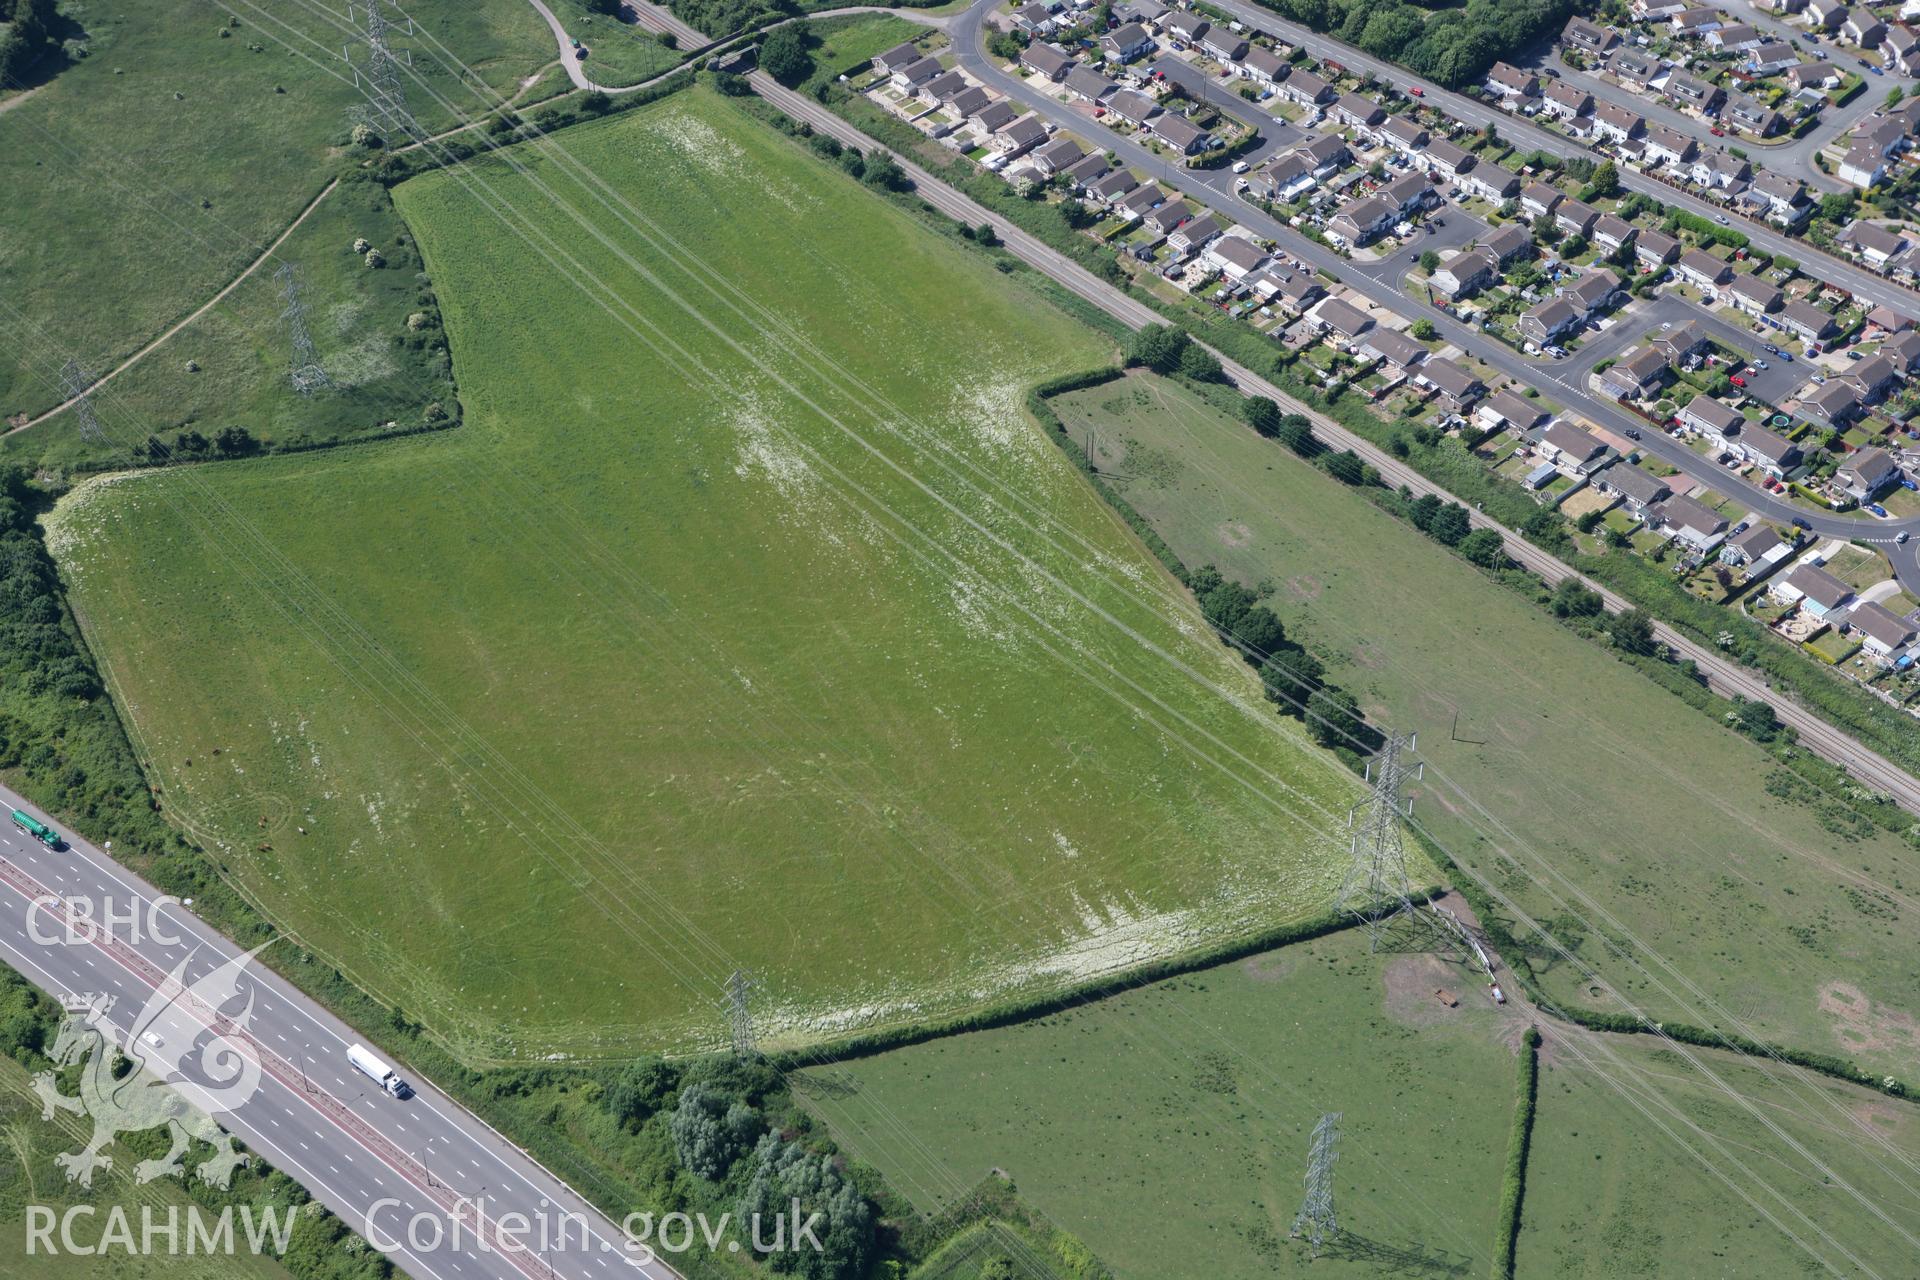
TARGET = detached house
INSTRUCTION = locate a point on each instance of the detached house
(1046, 60)
(1767, 449)
(1772, 57)
(1815, 590)
(1700, 527)
(1834, 405)
(1638, 490)
(1707, 417)
(1127, 43)
(1737, 38)
(1682, 342)
(1581, 34)
(1637, 376)
(1696, 94)
(1505, 409)
(1363, 221)
(1867, 473)
(1573, 451)
(1882, 632)
(1089, 85)
(1465, 273)
(1874, 243)
(1872, 378)
(1511, 82)
(1180, 133)
(1455, 387)
(1343, 320)
(1634, 68)
(1235, 256)
(1863, 29)
(1546, 321)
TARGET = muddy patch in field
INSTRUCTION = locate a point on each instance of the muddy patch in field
(1305, 587)
(1861, 1026)
(1274, 966)
(1234, 534)
(1412, 982)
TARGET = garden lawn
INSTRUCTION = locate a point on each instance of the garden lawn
(1545, 752)
(141, 179)
(747, 623)
(1614, 1190)
(1168, 1127)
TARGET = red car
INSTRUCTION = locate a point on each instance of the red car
(1717, 132)
(1417, 92)
(1737, 380)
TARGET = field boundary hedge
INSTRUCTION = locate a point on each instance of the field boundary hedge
(1513, 1185)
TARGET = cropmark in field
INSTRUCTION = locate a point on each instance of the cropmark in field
(748, 623)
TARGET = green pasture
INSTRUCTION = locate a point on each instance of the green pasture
(748, 622)
(1553, 768)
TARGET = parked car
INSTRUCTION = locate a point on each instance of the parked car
(1877, 510)
(1241, 166)
(1800, 523)
(1417, 91)
(1737, 380)
(1761, 364)
(1631, 433)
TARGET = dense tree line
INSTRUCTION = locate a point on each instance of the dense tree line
(31, 30)
(1453, 46)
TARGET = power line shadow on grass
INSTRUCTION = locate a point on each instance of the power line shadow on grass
(1397, 1259)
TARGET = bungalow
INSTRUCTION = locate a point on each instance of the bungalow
(1638, 376)
(1616, 123)
(1816, 591)
(1280, 179)
(1088, 85)
(1637, 489)
(1566, 100)
(1592, 37)
(1195, 234)
(1700, 526)
(1306, 89)
(1872, 378)
(1046, 60)
(1833, 405)
(1448, 158)
(1767, 449)
(1643, 10)
(1611, 231)
(1694, 22)
(1186, 27)
(1806, 321)
(1882, 631)
(1148, 13)
(1863, 29)
(1057, 155)
(1362, 221)
(1141, 202)
(1738, 38)
(1223, 44)
(1698, 267)
(1825, 15)
(1573, 451)
(1392, 346)
(1455, 386)
(1264, 67)
(1235, 256)
(1575, 217)
(1298, 290)
(1403, 135)
(1539, 199)
(1127, 43)
(1505, 409)
(994, 117)
(944, 88)
(1545, 321)
(1508, 242)
(1654, 249)
(1510, 81)
(1754, 296)
(1341, 319)
(1803, 76)
(1864, 165)
(1780, 6)
(1670, 145)
(1708, 417)
(1168, 216)
(1182, 134)
(1759, 551)
(1465, 273)
(1904, 350)
(1357, 109)
(1754, 116)
(1036, 17)
(901, 55)
(1634, 68)
(1874, 243)
(1324, 155)
(1086, 171)
(1113, 187)
(1020, 137)
(1682, 342)
(1771, 57)
(917, 73)
(1866, 473)
(1493, 181)
(970, 102)
(1410, 193)
(1884, 321)
(1132, 106)
(1595, 291)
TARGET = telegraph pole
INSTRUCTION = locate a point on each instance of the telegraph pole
(307, 374)
(1316, 1220)
(1376, 888)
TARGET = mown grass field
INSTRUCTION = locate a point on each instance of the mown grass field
(141, 179)
(1615, 1190)
(618, 53)
(1168, 1127)
(748, 622)
(1562, 760)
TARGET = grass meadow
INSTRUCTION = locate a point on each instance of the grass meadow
(1168, 1127)
(143, 177)
(748, 622)
(1643, 1165)
(1552, 767)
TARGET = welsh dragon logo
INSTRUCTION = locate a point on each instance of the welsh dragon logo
(166, 1040)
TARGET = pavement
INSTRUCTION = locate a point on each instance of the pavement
(1380, 281)
(370, 1158)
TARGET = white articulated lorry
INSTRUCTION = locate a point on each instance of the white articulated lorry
(379, 1072)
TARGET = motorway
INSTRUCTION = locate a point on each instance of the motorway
(379, 1163)
(1380, 280)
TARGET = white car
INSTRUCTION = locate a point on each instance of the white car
(1241, 166)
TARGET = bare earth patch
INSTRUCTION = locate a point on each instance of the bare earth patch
(1861, 1027)
(1234, 534)
(1305, 587)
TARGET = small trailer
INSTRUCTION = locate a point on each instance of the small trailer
(1499, 996)
(1446, 997)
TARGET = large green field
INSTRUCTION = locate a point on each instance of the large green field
(748, 622)
(141, 179)
(1168, 1127)
(1566, 772)
(1644, 1166)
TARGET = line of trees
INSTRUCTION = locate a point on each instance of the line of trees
(31, 31)
(1513, 1186)
(1451, 46)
